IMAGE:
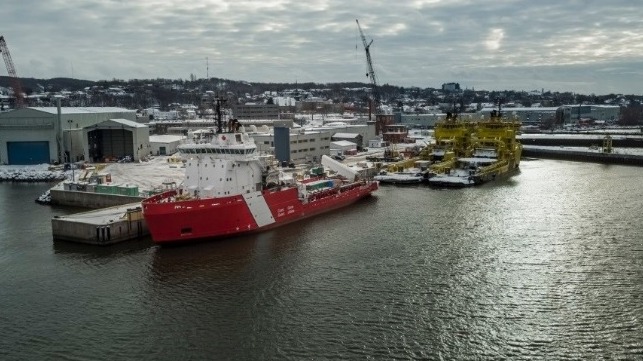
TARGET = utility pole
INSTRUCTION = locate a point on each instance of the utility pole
(71, 146)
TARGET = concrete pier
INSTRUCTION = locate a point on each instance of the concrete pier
(88, 199)
(101, 227)
(582, 155)
(580, 140)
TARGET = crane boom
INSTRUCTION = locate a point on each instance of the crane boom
(369, 61)
(11, 70)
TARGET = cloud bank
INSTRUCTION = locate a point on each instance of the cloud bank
(581, 46)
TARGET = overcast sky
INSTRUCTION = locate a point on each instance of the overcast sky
(582, 46)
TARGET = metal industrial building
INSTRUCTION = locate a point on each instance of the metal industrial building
(355, 138)
(255, 111)
(39, 135)
(297, 146)
(165, 144)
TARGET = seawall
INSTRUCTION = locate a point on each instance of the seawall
(583, 156)
(580, 140)
(89, 199)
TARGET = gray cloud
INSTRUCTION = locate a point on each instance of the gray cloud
(582, 45)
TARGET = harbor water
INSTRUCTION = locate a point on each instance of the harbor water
(545, 265)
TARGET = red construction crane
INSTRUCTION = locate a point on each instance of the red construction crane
(15, 82)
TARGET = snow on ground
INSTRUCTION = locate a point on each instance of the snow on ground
(31, 173)
(146, 175)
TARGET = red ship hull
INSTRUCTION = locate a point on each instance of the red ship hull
(178, 221)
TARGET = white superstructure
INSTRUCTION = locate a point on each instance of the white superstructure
(226, 165)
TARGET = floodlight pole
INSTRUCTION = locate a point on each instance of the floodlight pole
(71, 146)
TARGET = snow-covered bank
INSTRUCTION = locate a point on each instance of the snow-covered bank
(30, 173)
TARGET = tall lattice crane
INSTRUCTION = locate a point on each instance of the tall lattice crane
(371, 73)
(15, 82)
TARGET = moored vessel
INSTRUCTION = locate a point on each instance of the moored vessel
(229, 189)
(410, 176)
(489, 152)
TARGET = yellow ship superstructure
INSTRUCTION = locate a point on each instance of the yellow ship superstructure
(496, 138)
(466, 152)
(452, 140)
(452, 137)
(489, 150)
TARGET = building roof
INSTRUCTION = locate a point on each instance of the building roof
(523, 109)
(82, 110)
(343, 143)
(128, 123)
(346, 135)
(123, 122)
(166, 138)
(332, 129)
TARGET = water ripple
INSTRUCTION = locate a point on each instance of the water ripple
(539, 267)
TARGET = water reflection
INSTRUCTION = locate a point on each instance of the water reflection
(544, 265)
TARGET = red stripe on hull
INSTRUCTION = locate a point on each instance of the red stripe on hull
(183, 221)
(192, 219)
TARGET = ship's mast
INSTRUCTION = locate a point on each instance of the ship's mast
(217, 111)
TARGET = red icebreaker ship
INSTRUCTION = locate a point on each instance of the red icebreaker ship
(229, 190)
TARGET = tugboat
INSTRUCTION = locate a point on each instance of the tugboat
(229, 190)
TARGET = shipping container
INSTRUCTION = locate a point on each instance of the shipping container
(105, 189)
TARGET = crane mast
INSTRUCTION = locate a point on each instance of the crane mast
(11, 70)
(371, 72)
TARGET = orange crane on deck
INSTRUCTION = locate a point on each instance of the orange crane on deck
(11, 70)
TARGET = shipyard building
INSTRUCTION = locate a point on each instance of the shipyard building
(568, 115)
(293, 146)
(576, 114)
(302, 145)
(40, 135)
(255, 111)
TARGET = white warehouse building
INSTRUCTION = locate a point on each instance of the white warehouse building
(165, 144)
(40, 135)
(304, 146)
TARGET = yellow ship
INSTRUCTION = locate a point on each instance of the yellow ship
(474, 152)
(452, 139)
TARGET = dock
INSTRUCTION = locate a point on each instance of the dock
(583, 155)
(101, 227)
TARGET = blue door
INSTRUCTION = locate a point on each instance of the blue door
(28, 152)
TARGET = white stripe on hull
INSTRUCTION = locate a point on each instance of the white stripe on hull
(259, 208)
